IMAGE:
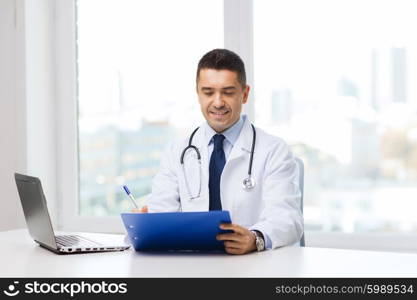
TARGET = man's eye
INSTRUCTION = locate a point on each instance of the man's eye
(208, 94)
(229, 94)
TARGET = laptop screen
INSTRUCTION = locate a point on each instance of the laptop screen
(35, 209)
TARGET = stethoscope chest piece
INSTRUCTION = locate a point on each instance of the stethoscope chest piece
(248, 183)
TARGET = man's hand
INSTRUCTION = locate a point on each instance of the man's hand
(144, 209)
(241, 241)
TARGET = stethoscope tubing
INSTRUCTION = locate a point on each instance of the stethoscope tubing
(190, 146)
(252, 150)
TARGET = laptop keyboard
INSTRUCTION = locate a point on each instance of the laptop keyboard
(73, 240)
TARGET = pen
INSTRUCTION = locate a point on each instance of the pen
(130, 196)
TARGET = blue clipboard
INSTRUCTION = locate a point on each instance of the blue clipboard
(176, 230)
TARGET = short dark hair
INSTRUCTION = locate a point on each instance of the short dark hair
(223, 59)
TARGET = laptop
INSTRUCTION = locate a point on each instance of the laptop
(40, 227)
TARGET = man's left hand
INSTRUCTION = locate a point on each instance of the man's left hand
(240, 241)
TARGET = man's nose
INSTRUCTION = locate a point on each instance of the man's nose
(218, 101)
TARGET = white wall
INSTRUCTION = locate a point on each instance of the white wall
(12, 154)
(27, 103)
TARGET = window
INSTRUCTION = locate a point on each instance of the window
(136, 73)
(335, 79)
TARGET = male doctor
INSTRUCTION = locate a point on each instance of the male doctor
(264, 216)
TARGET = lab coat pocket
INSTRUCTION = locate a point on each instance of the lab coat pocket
(248, 205)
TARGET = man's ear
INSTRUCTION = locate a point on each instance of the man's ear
(246, 94)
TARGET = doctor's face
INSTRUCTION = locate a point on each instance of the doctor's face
(221, 97)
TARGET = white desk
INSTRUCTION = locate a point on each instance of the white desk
(21, 257)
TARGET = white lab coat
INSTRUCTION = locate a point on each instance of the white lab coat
(272, 206)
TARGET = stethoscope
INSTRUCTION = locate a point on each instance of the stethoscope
(247, 184)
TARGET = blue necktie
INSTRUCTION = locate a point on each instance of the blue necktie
(217, 162)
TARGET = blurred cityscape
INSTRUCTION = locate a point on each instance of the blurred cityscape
(360, 154)
(110, 158)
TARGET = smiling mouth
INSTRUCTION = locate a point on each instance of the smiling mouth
(219, 113)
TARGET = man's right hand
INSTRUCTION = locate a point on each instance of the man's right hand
(144, 209)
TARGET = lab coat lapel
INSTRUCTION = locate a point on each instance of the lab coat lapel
(243, 143)
(236, 167)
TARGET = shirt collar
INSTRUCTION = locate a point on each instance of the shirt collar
(231, 134)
